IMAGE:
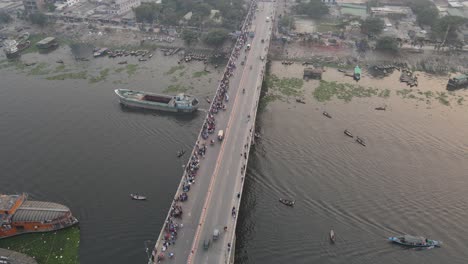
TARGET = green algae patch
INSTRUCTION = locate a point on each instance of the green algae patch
(174, 69)
(71, 75)
(286, 86)
(40, 69)
(266, 99)
(385, 93)
(343, 91)
(101, 77)
(176, 88)
(443, 98)
(59, 68)
(60, 247)
(199, 74)
(131, 69)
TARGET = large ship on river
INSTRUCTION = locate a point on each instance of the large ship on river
(179, 103)
(18, 215)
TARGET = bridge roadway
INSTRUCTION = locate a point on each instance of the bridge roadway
(219, 180)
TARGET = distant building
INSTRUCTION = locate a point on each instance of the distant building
(353, 10)
(33, 6)
(119, 7)
(383, 11)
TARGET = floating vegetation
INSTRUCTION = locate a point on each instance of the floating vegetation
(404, 93)
(286, 86)
(51, 247)
(59, 68)
(176, 88)
(131, 69)
(199, 74)
(121, 69)
(71, 75)
(181, 73)
(174, 69)
(443, 98)
(267, 98)
(40, 69)
(385, 93)
(343, 91)
(460, 100)
(102, 76)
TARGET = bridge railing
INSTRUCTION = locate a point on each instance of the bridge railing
(184, 175)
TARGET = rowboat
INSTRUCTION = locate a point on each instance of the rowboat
(332, 236)
(360, 141)
(287, 202)
(137, 197)
(415, 241)
(348, 133)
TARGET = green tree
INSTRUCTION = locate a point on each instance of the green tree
(50, 7)
(190, 36)
(446, 28)
(372, 26)
(425, 10)
(387, 44)
(216, 37)
(38, 19)
(5, 17)
(147, 12)
(313, 9)
(287, 22)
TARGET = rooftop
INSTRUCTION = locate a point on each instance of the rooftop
(353, 10)
(8, 201)
(36, 211)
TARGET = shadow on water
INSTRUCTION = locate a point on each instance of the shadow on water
(177, 116)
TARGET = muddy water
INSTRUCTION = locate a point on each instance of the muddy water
(411, 178)
(71, 142)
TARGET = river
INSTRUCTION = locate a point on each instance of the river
(70, 142)
(411, 178)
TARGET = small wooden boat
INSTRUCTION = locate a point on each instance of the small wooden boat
(137, 197)
(208, 100)
(332, 236)
(299, 100)
(122, 62)
(180, 153)
(150, 56)
(382, 108)
(415, 241)
(348, 133)
(287, 202)
(59, 61)
(327, 114)
(360, 141)
(142, 59)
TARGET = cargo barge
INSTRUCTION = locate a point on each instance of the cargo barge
(18, 215)
(181, 103)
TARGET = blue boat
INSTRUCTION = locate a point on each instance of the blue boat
(415, 241)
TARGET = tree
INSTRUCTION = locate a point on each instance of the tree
(372, 26)
(216, 37)
(446, 28)
(5, 17)
(38, 19)
(287, 22)
(147, 12)
(50, 7)
(387, 44)
(425, 10)
(189, 36)
(313, 9)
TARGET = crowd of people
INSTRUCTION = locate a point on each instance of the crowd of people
(171, 226)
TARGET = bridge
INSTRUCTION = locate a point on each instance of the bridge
(214, 194)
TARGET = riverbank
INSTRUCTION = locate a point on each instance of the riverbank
(59, 247)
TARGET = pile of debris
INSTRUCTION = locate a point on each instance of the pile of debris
(408, 77)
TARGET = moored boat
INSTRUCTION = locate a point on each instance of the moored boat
(348, 133)
(181, 103)
(360, 141)
(18, 215)
(287, 202)
(137, 197)
(415, 241)
(357, 73)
